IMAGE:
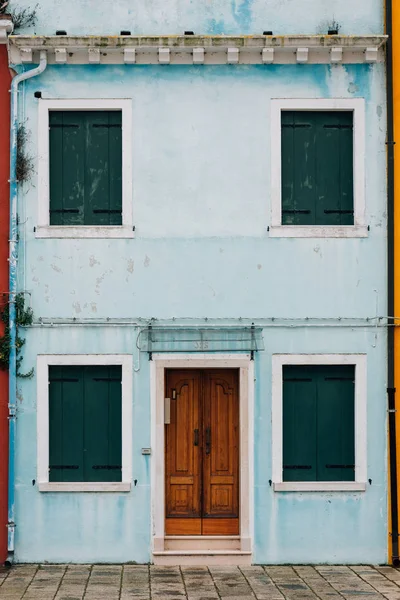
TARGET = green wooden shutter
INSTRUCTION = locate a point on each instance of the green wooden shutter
(66, 424)
(103, 423)
(103, 186)
(298, 168)
(318, 423)
(334, 173)
(67, 168)
(336, 437)
(86, 168)
(317, 168)
(85, 423)
(299, 424)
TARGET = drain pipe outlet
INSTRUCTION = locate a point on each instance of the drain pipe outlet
(13, 259)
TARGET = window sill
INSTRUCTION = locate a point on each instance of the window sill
(67, 486)
(94, 231)
(320, 486)
(316, 231)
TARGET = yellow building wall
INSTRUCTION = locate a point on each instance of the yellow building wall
(396, 107)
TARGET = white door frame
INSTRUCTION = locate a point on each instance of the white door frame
(245, 365)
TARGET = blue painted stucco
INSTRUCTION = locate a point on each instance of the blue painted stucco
(206, 16)
(201, 201)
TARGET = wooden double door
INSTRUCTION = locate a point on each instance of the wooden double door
(202, 452)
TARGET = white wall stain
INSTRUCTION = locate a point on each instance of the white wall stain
(93, 261)
(77, 307)
(131, 265)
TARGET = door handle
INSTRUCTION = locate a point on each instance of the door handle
(208, 440)
(196, 437)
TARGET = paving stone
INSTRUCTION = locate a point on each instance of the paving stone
(136, 590)
(102, 592)
(8, 596)
(73, 588)
(194, 570)
(67, 597)
(102, 596)
(71, 575)
(38, 596)
(74, 580)
(203, 596)
(238, 597)
(134, 582)
(205, 588)
(203, 592)
(158, 597)
(137, 572)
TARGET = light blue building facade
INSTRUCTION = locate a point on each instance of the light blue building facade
(204, 266)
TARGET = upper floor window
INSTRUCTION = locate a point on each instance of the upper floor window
(85, 168)
(317, 168)
(317, 161)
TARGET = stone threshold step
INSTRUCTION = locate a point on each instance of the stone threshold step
(202, 558)
(202, 537)
(199, 552)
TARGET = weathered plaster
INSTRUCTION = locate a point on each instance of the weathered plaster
(201, 202)
(289, 527)
(201, 183)
(207, 16)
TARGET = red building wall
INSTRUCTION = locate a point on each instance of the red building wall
(5, 82)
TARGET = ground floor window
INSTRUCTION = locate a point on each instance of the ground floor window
(319, 422)
(84, 422)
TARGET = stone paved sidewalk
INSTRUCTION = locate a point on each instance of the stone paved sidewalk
(112, 582)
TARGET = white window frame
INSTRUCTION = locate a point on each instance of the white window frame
(360, 407)
(43, 228)
(43, 363)
(359, 229)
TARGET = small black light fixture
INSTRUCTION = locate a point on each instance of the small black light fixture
(125, 32)
(189, 33)
(61, 32)
(333, 31)
(268, 33)
(38, 94)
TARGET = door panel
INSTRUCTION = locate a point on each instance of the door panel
(220, 526)
(221, 459)
(182, 455)
(202, 453)
(186, 526)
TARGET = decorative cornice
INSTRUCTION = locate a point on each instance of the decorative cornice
(6, 27)
(199, 50)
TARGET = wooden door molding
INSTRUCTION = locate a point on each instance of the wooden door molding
(202, 452)
(182, 453)
(221, 458)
